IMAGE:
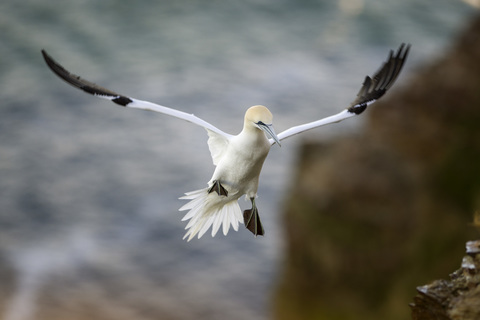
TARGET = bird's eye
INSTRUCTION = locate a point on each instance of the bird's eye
(260, 123)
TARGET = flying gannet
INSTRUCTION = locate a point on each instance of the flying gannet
(239, 159)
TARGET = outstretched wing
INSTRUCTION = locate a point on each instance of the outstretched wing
(125, 101)
(372, 89)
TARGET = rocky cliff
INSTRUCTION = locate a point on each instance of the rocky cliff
(455, 299)
(372, 216)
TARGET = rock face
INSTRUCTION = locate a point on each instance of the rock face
(454, 299)
(374, 215)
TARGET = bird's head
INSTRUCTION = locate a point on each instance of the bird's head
(260, 117)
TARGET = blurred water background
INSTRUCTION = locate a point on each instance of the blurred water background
(89, 191)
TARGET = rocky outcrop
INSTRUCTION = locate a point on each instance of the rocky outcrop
(454, 299)
(372, 216)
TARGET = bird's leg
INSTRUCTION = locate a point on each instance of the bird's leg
(216, 186)
(252, 220)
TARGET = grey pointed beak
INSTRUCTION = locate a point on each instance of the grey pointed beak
(268, 129)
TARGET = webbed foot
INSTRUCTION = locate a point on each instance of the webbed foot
(252, 220)
(218, 188)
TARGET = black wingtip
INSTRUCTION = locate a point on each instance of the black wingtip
(373, 88)
(52, 64)
(85, 85)
(47, 58)
(358, 109)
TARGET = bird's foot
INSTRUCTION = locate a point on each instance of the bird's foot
(216, 186)
(252, 220)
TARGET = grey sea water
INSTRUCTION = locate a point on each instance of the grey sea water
(89, 191)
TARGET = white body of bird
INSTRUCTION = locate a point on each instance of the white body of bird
(239, 159)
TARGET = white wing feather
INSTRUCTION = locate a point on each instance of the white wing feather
(373, 88)
(315, 124)
(125, 101)
(217, 144)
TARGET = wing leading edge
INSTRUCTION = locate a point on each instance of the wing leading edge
(373, 88)
(101, 92)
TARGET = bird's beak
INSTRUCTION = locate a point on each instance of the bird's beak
(268, 129)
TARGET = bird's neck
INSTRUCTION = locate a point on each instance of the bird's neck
(253, 135)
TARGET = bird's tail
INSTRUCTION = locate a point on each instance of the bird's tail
(209, 209)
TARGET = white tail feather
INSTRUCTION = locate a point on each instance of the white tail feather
(207, 210)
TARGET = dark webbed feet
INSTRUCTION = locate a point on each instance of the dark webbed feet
(216, 186)
(252, 220)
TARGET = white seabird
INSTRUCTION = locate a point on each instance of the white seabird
(239, 159)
